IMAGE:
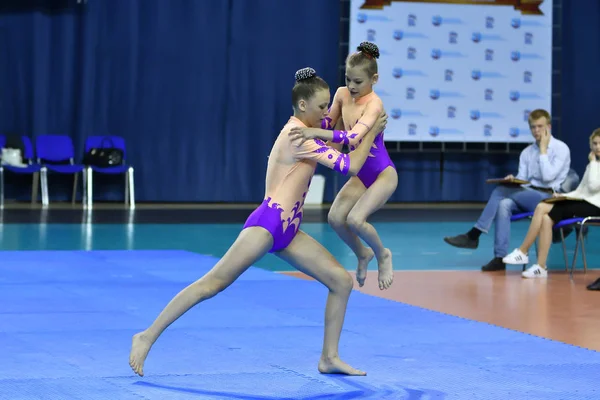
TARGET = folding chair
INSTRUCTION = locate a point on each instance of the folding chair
(581, 223)
(31, 168)
(108, 142)
(56, 154)
(518, 217)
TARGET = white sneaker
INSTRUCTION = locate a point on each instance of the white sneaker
(535, 271)
(516, 257)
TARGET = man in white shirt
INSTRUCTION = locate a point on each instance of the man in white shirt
(582, 202)
(545, 164)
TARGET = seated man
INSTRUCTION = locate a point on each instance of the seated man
(545, 164)
(579, 203)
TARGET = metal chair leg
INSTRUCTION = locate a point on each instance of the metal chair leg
(131, 188)
(74, 195)
(90, 188)
(575, 255)
(582, 238)
(35, 182)
(126, 187)
(44, 181)
(564, 247)
(84, 188)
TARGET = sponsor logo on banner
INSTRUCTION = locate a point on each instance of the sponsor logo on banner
(448, 75)
(412, 129)
(487, 130)
(451, 112)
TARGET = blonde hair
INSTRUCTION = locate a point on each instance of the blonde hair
(366, 56)
(594, 135)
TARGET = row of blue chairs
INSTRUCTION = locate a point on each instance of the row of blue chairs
(56, 154)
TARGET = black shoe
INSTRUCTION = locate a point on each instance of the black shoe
(462, 241)
(495, 265)
(595, 285)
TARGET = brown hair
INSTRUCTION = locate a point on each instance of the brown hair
(307, 84)
(539, 113)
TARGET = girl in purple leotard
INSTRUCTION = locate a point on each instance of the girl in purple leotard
(274, 227)
(365, 193)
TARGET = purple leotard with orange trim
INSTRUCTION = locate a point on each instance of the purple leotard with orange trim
(379, 158)
(375, 165)
(290, 169)
(269, 216)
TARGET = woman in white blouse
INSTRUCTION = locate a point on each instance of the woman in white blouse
(582, 202)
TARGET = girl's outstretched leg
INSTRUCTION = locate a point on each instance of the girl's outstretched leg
(251, 245)
(337, 217)
(310, 257)
(373, 199)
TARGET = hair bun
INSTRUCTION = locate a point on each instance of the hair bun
(305, 73)
(369, 49)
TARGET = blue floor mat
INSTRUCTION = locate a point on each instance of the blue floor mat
(67, 317)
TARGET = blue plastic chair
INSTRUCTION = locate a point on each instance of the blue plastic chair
(581, 224)
(31, 168)
(117, 142)
(56, 154)
(518, 217)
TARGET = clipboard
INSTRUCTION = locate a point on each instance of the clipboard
(552, 200)
(502, 181)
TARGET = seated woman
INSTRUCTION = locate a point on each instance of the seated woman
(585, 203)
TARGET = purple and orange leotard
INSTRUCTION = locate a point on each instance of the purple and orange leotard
(359, 116)
(290, 169)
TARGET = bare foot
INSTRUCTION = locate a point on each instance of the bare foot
(337, 366)
(363, 263)
(140, 346)
(386, 270)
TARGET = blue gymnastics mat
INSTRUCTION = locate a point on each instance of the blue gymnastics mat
(67, 317)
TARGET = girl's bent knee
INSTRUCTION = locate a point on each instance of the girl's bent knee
(355, 222)
(335, 219)
(505, 205)
(541, 208)
(343, 282)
